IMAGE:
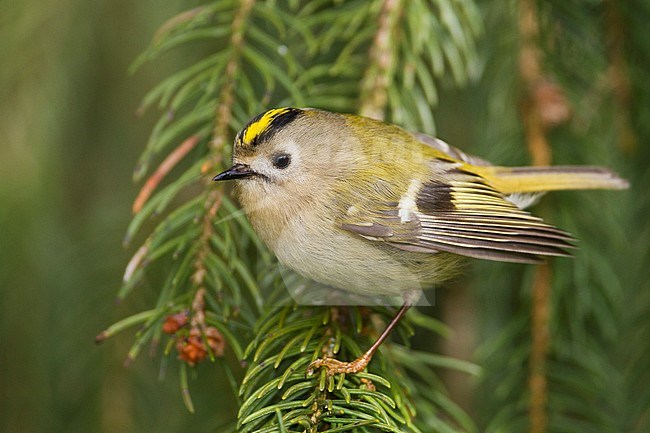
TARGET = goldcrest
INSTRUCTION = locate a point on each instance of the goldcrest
(370, 208)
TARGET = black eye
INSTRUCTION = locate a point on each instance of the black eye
(281, 161)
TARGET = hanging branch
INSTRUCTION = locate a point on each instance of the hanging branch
(619, 75)
(378, 74)
(196, 248)
(544, 107)
(223, 116)
(537, 382)
(540, 151)
(531, 75)
(210, 298)
(227, 97)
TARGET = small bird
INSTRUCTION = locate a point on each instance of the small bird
(368, 207)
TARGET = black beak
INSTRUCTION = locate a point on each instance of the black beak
(237, 171)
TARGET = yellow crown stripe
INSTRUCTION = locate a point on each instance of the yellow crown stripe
(256, 128)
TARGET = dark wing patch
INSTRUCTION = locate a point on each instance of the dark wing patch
(434, 196)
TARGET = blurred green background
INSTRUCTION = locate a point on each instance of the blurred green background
(69, 139)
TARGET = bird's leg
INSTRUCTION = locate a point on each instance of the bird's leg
(335, 366)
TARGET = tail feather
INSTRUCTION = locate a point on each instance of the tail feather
(509, 180)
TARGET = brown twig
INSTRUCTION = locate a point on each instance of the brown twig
(163, 169)
(378, 76)
(619, 76)
(220, 133)
(198, 309)
(537, 381)
(531, 74)
(226, 97)
(175, 21)
(195, 340)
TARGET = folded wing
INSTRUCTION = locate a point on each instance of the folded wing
(455, 211)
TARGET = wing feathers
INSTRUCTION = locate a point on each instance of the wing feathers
(548, 232)
(499, 238)
(486, 254)
(369, 230)
(463, 215)
(524, 246)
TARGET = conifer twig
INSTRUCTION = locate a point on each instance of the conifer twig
(203, 303)
(173, 22)
(377, 79)
(619, 76)
(226, 97)
(531, 75)
(222, 122)
(540, 151)
(163, 169)
(537, 380)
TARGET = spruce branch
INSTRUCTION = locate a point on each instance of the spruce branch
(210, 298)
(537, 382)
(619, 76)
(540, 153)
(226, 97)
(378, 74)
(199, 248)
(277, 391)
(534, 109)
